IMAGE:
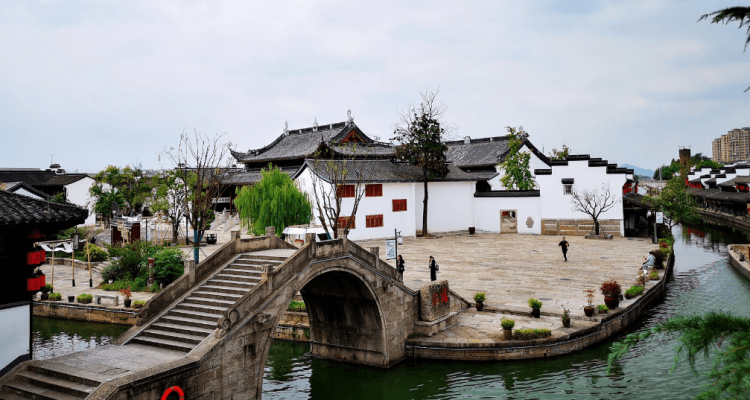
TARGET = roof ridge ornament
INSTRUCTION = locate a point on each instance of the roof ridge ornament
(315, 125)
(349, 118)
(286, 128)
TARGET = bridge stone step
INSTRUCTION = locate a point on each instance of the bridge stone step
(65, 386)
(29, 391)
(195, 315)
(181, 328)
(224, 289)
(238, 278)
(242, 271)
(11, 396)
(277, 259)
(174, 336)
(217, 295)
(69, 373)
(189, 322)
(208, 301)
(163, 343)
(237, 284)
(201, 308)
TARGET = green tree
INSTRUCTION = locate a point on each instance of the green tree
(727, 15)
(169, 196)
(668, 171)
(708, 163)
(124, 186)
(560, 154)
(516, 169)
(675, 202)
(59, 198)
(421, 134)
(722, 336)
(274, 201)
(168, 266)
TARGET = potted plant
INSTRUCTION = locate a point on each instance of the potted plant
(589, 309)
(603, 308)
(611, 291)
(84, 298)
(55, 297)
(565, 318)
(126, 294)
(139, 304)
(654, 276)
(479, 299)
(507, 325)
(46, 289)
(634, 291)
(536, 307)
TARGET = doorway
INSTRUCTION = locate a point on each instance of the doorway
(508, 221)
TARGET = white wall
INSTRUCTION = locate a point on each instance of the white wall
(27, 193)
(15, 333)
(450, 206)
(534, 163)
(78, 193)
(556, 205)
(487, 213)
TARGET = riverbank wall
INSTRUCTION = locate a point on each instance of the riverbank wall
(719, 218)
(738, 257)
(610, 324)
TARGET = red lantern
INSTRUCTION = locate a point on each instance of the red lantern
(32, 284)
(35, 257)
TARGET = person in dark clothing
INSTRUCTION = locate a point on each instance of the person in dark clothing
(433, 269)
(564, 246)
(400, 266)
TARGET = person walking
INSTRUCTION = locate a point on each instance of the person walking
(400, 266)
(564, 246)
(434, 267)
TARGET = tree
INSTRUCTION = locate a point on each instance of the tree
(675, 202)
(560, 154)
(724, 335)
(516, 169)
(332, 182)
(708, 163)
(421, 134)
(124, 186)
(668, 171)
(169, 196)
(727, 15)
(593, 203)
(274, 201)
(104, 200)
(198, 160)
(59, 198)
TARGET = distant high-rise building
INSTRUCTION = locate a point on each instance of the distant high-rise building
(732, 147)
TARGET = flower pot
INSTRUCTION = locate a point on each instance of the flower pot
(471, 230)
(508, 334)
(71, 299)
(566, 323)
(480, 306)
(127, 303)
(611, 303)
(627, 296)
(536, 313)
(45, 296)
(589, 311)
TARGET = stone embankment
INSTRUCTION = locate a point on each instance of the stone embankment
(738, 257)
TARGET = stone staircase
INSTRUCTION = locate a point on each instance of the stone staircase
(188, 323)
(51, 382)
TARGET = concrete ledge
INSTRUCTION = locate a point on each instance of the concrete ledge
(429, 328)
(734, 258)
(80, 312)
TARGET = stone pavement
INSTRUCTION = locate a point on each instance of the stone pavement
(512, 268)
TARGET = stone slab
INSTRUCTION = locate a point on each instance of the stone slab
(434, 301)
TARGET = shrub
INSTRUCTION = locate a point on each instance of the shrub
(55, 296)
(535, 304)
(138, 303)
(634, 291)
(84, 298)
(297, 306)
(97, 253)
(603, 308)
(154, 289)
(47, 288)
(118, 285)
(507, 323)
(126, 293)
(654, 275)
(480, 297)
(528, 334)
(610, 288)
(168, 265)
(113, 272)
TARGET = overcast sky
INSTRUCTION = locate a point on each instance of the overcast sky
(99, 83)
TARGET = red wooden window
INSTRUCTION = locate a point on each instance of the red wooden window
(375, 190)
(344, 221)
(399, 205)
(346, 191)
(374, 221)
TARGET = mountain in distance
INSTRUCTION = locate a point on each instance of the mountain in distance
(639, 170)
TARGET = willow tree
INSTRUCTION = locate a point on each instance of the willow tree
(516, 169)
(274, 201)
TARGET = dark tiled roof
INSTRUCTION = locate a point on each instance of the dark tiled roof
(710, 181)
(567, 181)
(508, 193)
(478, 153)
(717, 194)
(16, 186)
(16, 209)
(637, 199)
(252, 176)
(39, 177)
(363, 149)
(386, 171)
(543, 171)
(696, 180)
(736, 180)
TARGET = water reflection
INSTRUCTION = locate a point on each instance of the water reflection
(56, 337)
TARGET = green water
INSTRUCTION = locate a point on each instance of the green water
(703, 280)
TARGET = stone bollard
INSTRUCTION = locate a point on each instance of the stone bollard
(151, 272)
(376, 252)
(190, 270)
(310, 238)
(267, 274)
(234, 234)
(270, 231)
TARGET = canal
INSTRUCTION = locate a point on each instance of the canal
(703, 280)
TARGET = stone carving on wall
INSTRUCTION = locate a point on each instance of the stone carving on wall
(434, 300)
(529, 222)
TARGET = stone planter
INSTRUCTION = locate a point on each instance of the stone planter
(508, 334)
(611, 302)
(589, 310)
(536, 313)
(480, 306)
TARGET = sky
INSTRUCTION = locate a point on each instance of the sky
(115, 83)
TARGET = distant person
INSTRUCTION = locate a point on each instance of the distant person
(564, 246)
(434, 267)
(650, 261)
(400, 266)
